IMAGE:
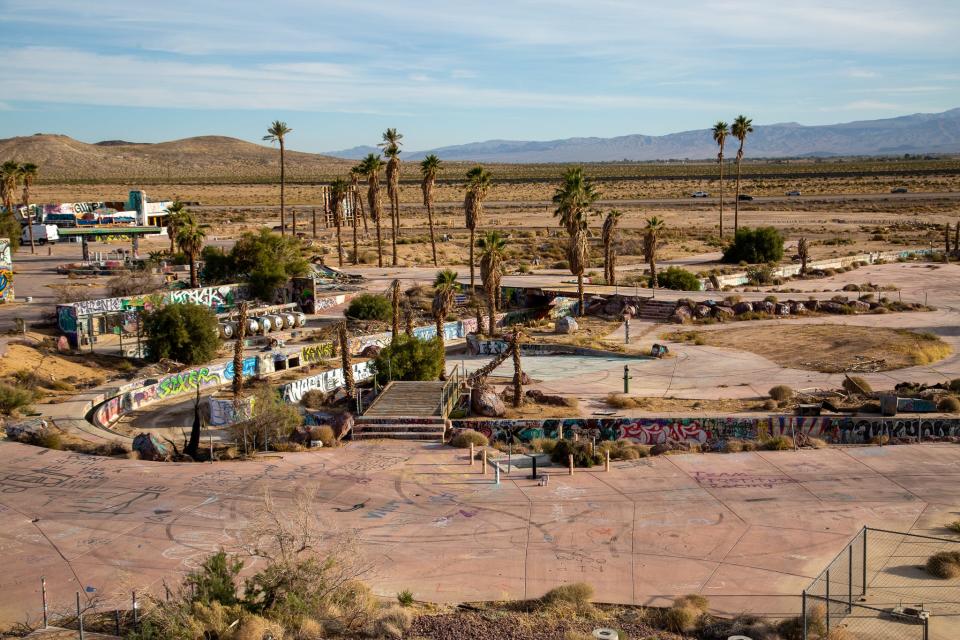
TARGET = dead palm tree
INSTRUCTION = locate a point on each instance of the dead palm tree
(575, 194)
(578, 255)
(238, 354)
(395, 310)
(515, 342)
(177, 215)
(28, 173)
(720, 133)
(428, 168)
(609, 236)
(478, 184)
(9, 180)
(278, 133)
(344, 339)
(803, 252)
(741, 127)
(444, 288)
(391, 149)
(190, 237)
(651, 236)
(338, 193)
(370, 167)
(491, 246)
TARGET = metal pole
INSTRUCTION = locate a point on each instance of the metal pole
(864, 591)
(43, 592)
(850, 579)
(804, 613)
(116, 621)
(79, 616)
(828, 602)
(135, 617)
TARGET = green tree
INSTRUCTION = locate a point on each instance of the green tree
(763, 244)
(679, 279)
(444, 288)
(190, 237)
(492, 246)
(185, 333)
(651, 238)
(720, 133)
(478, 184)
(9, 180)
(338, 193)
(370, 167)
(216, 580)
(28, 173)
(409, 358)
(267, 260)
(177, 216)
(391, 149)
(369, 306)
(428, 169)
(741, 127)
(609, 236)
(278, 133)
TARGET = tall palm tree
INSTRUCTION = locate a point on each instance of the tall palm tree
(28, 172)
(478, 184)
(9, 180)
(574, 195)
(338, 193)
(391, 149)
(444, 288)
(190, 237)
(741, 127)
(395, 310)
(609, 236)
(720, 133)
(356, 172)
(371, 166)
(517, 367)
(651, 235)
(177, 216)
(344, 339)
(428, 168)
(578, 255)
(278, 133)
(238, 354)
(491, 246)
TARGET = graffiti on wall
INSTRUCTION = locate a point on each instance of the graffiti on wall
(225, 411)
(218, 298)
(326, 382)
(316, 352)
(184, 381)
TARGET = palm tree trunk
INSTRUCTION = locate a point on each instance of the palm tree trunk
(580, 293)
(379, 246)
(736, 201)
(443, 350)
(433, 240)
(517, 372)
(238, 353)
(293, 221)
(344, 340)
(606, 263)
(394, 218)
(336, 217)
(314, 222)
(356, 251)
(283, 180)
(721, 195)
(653, 273)
(395, 304)
(472, 231)
(492, 308)
(193, 272)
(613, 267)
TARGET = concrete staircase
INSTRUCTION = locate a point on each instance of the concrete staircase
(404, 411)
(656, 310)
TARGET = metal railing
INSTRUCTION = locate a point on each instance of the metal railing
(450, 394)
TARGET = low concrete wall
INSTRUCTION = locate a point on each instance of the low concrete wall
(713, 432)
(485, 347)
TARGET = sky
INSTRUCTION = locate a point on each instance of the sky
(449, 72)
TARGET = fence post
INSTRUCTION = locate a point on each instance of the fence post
(828, 601)
(864, 590)
(803, 609)
(116, 621)
(135, 617)
(926, 629)
(43, 592)
(79, 616)
(850, 579)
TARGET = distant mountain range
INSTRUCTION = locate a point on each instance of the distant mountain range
(918, 133)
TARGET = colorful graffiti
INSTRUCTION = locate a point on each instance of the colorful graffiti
(225, 411)
(327, 381)
(249, 368)
(6, 271)
(316, 352)
(187, 381)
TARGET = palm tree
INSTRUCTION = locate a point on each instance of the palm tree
(190, 240)
(278, 133)
(444, 288)
(652, 232)
(609, 236)
(338, 192)
(517, 367)
(720, 133)
(741, 127)
(578, 254)
(391, 148)
(803, 252)
(478, 184)
(28, 172)
(9, 180)
(238, 355)
(356, 172)
(572, 198)
(491, 246)
(344, 338)
(395, 305)
(370, 167)
(428, 168)
(177, 216)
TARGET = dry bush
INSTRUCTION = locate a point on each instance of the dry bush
(310, 629)
(851, 384)
(949, 404)
(314, 399)
(543, 445)
(624, 449)
(945, 564)
(392, 623)
(817, 443)
(288, 447)
(954, 526)
(465, 438)
(781, 393)
(778, 443)
(257, 628)
(733, 445)
(621, 401)
(324, 434)
(770, 404)
(574, 598)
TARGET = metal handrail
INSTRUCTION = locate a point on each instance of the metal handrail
(450, 392)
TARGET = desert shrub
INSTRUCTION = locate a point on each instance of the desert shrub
(13, 398)
(778, 443)
(679, 279)
(817, 443)
(624, 449)
(409, 358)
(314, 399)
(955, 385)
(265, 259)
(185, 333)
(133, 283)
(760, 274)
(792, 628)
(216, 579)
(405, 598)
(732, 300)
(781, 393)
(46, 438)
(543, 445)
(368, 306)
(945, 564)
(465, 438)
(324, 433)
(685, 612)
(954, 526)
(850, 385)
(580, 451)
(576, 595)
(770, 404)
(392, 623)
(272, 419)
(763, 244)
(949, 404)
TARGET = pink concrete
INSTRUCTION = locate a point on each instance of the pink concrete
(649, 530)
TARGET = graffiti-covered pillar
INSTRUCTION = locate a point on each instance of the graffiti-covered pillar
(135, 242)
(6, 271)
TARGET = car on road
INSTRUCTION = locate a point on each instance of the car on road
(794, 193)
(745, 197)
(899, 190)
(699, 194)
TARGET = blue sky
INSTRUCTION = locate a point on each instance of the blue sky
(448, 72)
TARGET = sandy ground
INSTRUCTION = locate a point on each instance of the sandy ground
(649, 530)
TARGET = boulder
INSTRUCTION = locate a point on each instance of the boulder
(766, 306)
(812, 304)
(723, 312)
(797, 308)
(26, 429)
(782, 309)
(543, 398)
(149, 447)
(566, 324)
(829, 306)
(742, 307)
(301, 435)
(613, 308)
(859, 306)
(701, 311)
(371, 351)
(681, 315)
(485, 402)
(342, 423)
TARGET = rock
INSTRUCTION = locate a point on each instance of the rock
(26, 429)
(566, 324)
(342, 423)
(701, 311)
(723, 312)
(613, 308)
(782, 309)
(371, 351)
(812, 305)
(797, 308)
(766, 306)
(859, 306)
(301, 435)
(830, 306)
(631, 310)
(485, 402)
(525, 379)
(742, 307)
(150, 448)
(543, 398)
(681, 315)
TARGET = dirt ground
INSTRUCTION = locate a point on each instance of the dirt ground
(670, 405)
(827, 348)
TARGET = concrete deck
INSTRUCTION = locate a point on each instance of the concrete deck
(748, 530)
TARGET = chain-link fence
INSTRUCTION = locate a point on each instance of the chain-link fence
(877, 588)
